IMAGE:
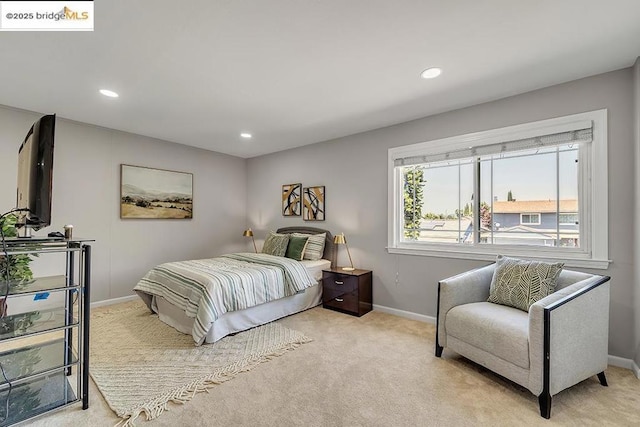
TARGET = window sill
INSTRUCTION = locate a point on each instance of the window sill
(570, 260)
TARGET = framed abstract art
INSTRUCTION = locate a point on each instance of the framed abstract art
(313, 203)
(291, 199)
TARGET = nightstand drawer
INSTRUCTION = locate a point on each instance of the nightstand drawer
(340, 283)
(345, 302)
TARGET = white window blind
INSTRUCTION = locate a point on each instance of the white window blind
(580, 135)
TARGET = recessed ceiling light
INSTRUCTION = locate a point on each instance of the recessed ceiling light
(109, 93)
(431, 73)
(245, 135)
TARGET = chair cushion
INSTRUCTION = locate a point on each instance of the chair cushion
(519, 283)
(497, 329)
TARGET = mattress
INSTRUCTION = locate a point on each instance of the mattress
(315, 267)
(237, 321)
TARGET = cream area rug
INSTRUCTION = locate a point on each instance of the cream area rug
(140, 364)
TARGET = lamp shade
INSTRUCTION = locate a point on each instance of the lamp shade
(249, 233)
(338, 239)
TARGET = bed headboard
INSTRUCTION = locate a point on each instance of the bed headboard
(329, 246)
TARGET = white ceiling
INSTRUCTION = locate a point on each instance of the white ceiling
(295, 72)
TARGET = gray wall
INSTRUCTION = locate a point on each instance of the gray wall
(354, 171)
(87, 192)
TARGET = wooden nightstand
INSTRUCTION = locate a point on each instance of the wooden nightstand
(347, 291)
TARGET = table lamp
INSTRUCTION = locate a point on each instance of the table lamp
(341, 240)
(249, 233)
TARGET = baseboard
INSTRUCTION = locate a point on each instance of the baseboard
(620, 362)
(114, 301)
(405, 314)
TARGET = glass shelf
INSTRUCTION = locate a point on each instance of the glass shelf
(34, 397)
(36, 359)
(23, 324)
(42, 370)
(41, 284)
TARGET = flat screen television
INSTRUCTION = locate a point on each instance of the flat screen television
(35, 174)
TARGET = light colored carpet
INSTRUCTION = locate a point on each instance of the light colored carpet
(140, 364)
(377, 370)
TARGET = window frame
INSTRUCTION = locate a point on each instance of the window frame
(593, 194)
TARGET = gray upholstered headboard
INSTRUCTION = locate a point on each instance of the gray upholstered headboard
(329, 246)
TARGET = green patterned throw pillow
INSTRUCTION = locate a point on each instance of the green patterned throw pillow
(296, 247)
(276, 244)
(520, 283)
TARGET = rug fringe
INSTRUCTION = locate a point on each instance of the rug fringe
(156, 407)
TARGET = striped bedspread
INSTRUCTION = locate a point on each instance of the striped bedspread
(206, 289)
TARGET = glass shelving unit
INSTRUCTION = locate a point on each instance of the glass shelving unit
(44, 334)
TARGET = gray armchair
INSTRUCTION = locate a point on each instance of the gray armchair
(562, 340)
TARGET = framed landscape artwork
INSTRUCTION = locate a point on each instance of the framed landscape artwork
(313, 204)
(291, 199)
(149, 193)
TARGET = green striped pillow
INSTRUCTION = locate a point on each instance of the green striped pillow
(315, 245)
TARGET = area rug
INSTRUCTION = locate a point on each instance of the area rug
(140, 364)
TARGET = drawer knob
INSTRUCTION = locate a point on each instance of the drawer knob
(339, 299)
(339, 283)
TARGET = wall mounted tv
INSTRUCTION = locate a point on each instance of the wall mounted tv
(35, 175)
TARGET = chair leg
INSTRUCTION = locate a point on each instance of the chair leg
(603, 379)
(545, 405)
(439, 351)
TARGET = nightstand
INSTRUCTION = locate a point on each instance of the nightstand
(347, 291)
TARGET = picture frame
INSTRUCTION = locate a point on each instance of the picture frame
(149, 193)
(292, 199)
(313, 205)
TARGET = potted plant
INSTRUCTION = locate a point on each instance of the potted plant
(15, 273)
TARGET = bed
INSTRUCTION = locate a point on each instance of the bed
(183, 316)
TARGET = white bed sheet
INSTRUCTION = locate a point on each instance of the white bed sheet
(237, 321)
(315, 267)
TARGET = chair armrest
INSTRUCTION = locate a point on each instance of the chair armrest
(568, 335)
(465, 288)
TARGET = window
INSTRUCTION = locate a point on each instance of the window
(568, 219)
(535, 190)
(530, 219)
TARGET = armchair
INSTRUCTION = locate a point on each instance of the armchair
(560, 341)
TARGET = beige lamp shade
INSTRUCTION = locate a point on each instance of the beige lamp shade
(249, 233)
(339, 239)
